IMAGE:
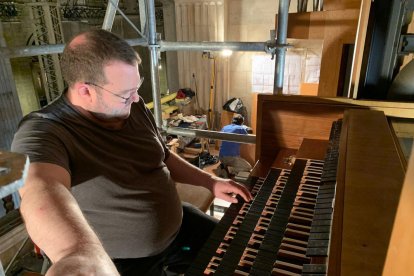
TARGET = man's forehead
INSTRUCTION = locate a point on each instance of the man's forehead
(116, 67)
(118, 72)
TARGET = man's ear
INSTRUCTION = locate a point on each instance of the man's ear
(83, 91)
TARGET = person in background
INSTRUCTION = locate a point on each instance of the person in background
(229, 154)
(100, 195)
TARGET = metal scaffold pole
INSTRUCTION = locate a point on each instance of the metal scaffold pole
(282, 21)
(153, 47)
(110, 15)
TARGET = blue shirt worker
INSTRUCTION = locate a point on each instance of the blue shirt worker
(230, 151)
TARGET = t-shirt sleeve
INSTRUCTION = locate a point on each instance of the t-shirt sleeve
(40, 140)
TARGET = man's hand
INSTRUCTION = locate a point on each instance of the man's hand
(184, 172)
(91, 262)
(227, 189)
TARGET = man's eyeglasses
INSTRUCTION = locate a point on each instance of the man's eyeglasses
(126, 99)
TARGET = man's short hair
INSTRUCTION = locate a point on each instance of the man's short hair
(238, 119)
(86, 55)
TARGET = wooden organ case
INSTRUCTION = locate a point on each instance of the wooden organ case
(327, 186)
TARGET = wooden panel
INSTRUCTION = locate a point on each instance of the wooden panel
(373, 182)
(253, 117)
(313, 149)
(336, 28)
(391, 109)
(308, 89)
(280, 125)
(284, 124)
(359, 48)
(248, 151)
(334, 265)
(10, 243)
(399, 259)
(330, 5)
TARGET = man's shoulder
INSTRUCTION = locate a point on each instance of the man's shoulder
(53, 112)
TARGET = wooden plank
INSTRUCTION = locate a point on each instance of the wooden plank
(399, 259)
(359, 48)
(373, 182)
(336, 28)
(334, 265)
(392, 109)
(403, 128)
(259, 120)
(10, 243)
(308, 89)
(313, 149)
(330, 5)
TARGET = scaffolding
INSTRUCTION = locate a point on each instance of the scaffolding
(47, 29)
(155, 46)
(149, 39)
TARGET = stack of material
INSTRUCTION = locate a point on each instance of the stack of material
(13, 170)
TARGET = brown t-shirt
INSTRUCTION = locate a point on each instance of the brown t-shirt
(118, 177)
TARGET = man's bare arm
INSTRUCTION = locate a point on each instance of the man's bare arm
(56, 224)
(182, 171)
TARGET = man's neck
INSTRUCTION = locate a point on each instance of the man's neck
(109, 124)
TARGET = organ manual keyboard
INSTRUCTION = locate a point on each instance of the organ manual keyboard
(326, 190)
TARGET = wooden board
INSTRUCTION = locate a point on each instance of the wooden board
(373, 182)
(336, 28)
(399, 259)
(330, 5)
(335, 250)
(283, 122)
(359, 48)
(309, 89)
(313, 149)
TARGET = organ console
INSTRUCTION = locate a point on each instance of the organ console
(327, 186)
